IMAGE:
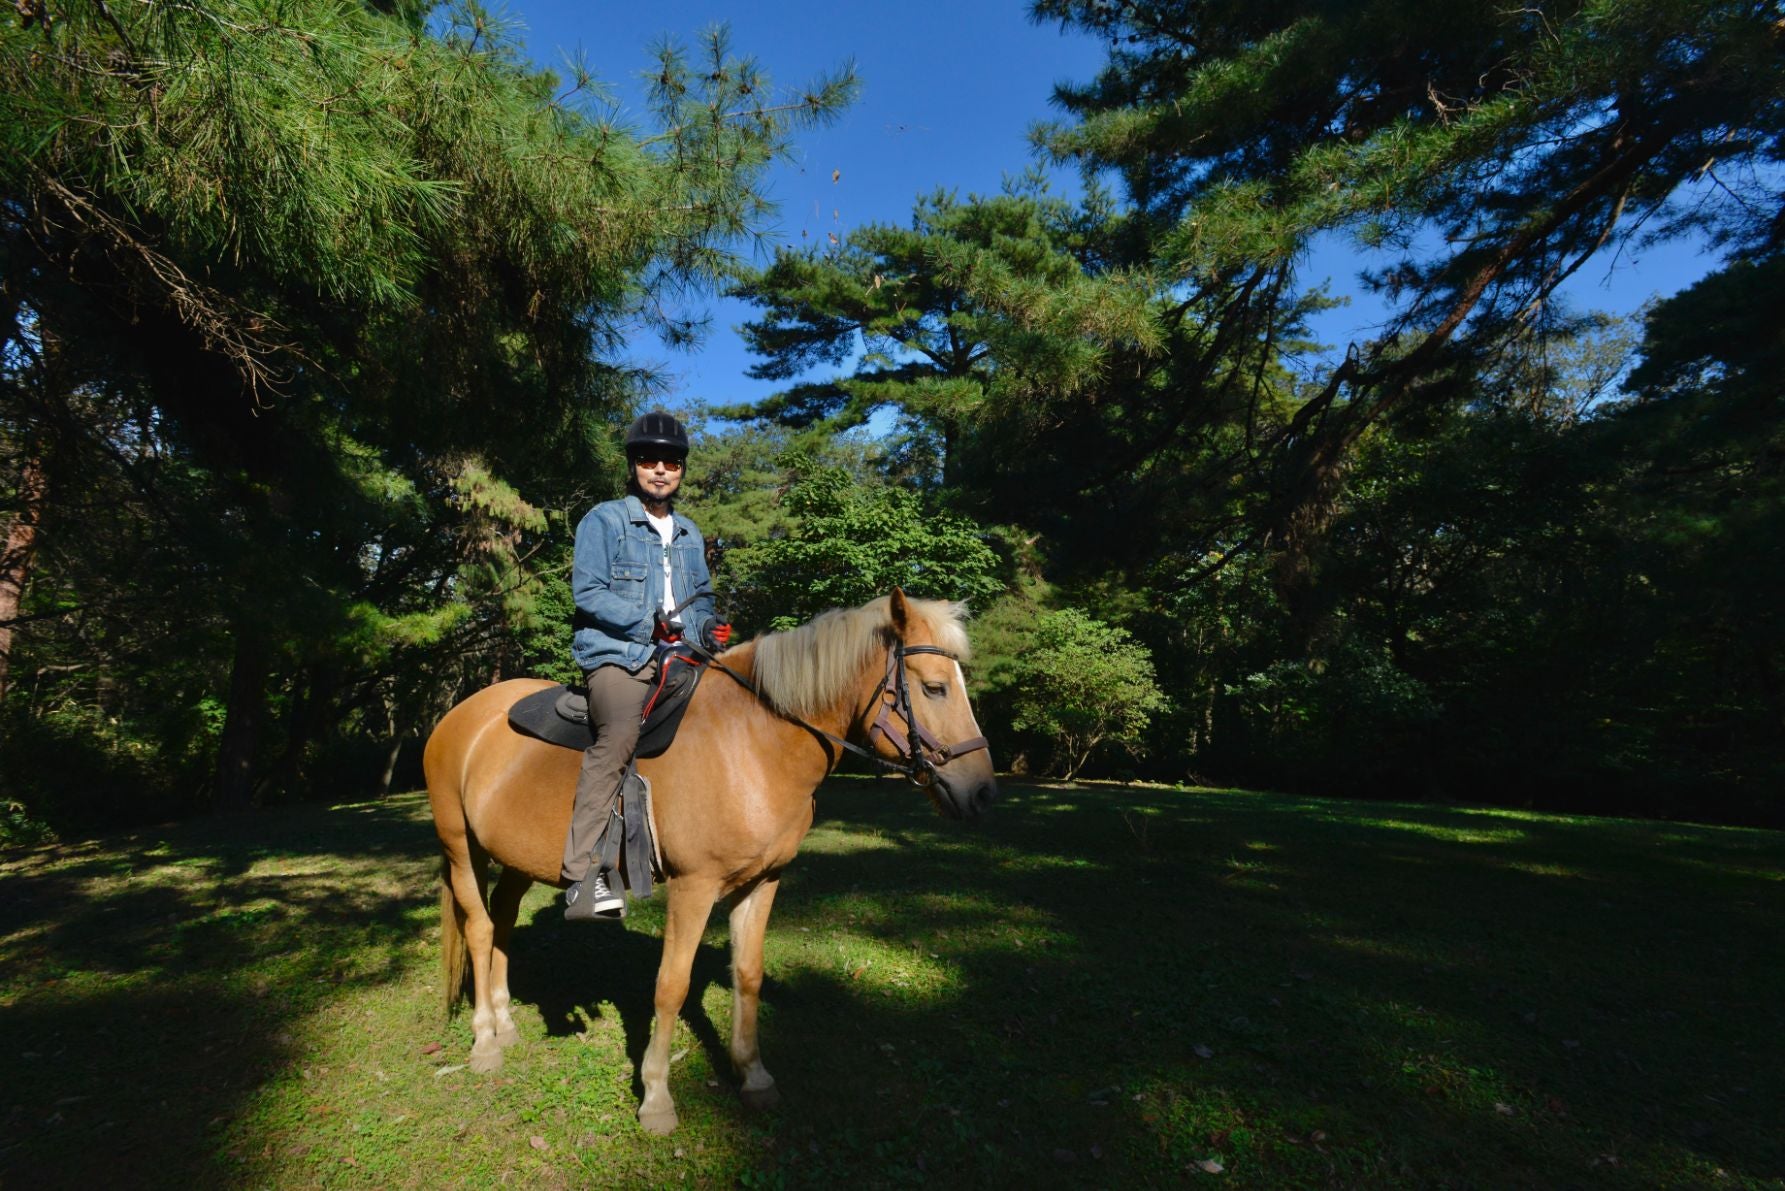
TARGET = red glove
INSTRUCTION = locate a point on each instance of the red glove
(718, 636)
(663, 630)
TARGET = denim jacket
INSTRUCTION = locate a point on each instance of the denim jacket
(616, 578)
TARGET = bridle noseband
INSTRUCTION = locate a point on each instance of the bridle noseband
(921, 752)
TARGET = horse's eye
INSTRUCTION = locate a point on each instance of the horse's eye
(935, 690)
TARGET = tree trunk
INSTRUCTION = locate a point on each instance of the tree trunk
(1076, 756)
(390, 765)
(312, 705)
(394, 751)
(241, 724)
(15, 558)
(1206, 736)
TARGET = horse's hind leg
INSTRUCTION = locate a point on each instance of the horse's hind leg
(465, 874)
(690, 904)
(505, 906)
(749, 923)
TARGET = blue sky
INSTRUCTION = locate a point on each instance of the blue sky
(948, 94)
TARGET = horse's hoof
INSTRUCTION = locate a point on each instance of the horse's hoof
(507, 1036)
(661, 1123)
(484, 1062)
(760, 1099)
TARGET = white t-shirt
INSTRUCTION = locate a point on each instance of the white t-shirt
(666, 529)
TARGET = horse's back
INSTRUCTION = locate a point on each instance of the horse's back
(508, 792)
(456, 738)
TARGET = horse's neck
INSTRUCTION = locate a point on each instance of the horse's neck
(844, 720)
(839, 720)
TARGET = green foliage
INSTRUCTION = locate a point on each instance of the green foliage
(1002, 631)
(1247, 132)
(1350, 714)
(1082, 683)
(851, 542)
(19, 828)
(311, 308)
(1538, 592)
(544, 639)
(971, 323)
(737, 478)
(307, 310)
(72, 770)
(1482, 154)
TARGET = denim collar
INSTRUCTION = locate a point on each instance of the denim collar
(635, 512)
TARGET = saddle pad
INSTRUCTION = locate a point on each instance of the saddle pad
(560, 714)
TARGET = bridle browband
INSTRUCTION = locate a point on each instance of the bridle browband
(920, 753)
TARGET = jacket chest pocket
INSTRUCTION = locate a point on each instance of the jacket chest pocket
(627, 580)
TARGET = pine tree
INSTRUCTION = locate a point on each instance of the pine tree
(347, 282)
(1493, 149)
(980, 324)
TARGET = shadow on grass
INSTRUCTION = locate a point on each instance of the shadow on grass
(1097, 985)
(154, 977)
(575, 973)
(1429, 994)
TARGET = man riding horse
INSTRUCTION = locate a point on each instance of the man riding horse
(638, 566)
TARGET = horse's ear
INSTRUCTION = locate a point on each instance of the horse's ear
(901, 612)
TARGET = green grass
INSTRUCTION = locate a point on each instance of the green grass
(1100, 985)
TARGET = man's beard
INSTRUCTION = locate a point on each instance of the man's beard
(646, 496)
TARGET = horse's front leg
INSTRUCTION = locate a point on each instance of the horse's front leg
(690, 903)
(749, 923)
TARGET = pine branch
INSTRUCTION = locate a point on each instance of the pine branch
(224, 324)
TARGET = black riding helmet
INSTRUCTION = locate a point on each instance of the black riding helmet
(657, 430)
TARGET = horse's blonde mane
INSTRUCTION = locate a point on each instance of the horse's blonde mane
(806, 671)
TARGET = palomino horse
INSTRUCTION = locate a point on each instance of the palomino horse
(733, 799)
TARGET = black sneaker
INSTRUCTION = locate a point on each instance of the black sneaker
(590, 900)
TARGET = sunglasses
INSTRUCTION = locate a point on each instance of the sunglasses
(649, 462)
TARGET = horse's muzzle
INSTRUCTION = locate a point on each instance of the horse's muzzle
(964, 797)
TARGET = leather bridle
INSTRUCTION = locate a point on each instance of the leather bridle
(920, 751)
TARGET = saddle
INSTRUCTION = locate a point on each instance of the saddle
(560, 714)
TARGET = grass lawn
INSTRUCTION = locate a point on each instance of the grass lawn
(1100, 985)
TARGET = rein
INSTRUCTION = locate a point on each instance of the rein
(920, 755)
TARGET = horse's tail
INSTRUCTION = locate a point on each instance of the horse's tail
(454, 954)
(443, 767)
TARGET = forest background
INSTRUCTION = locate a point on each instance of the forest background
(321, 321)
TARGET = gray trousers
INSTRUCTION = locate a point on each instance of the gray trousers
(616, 700)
